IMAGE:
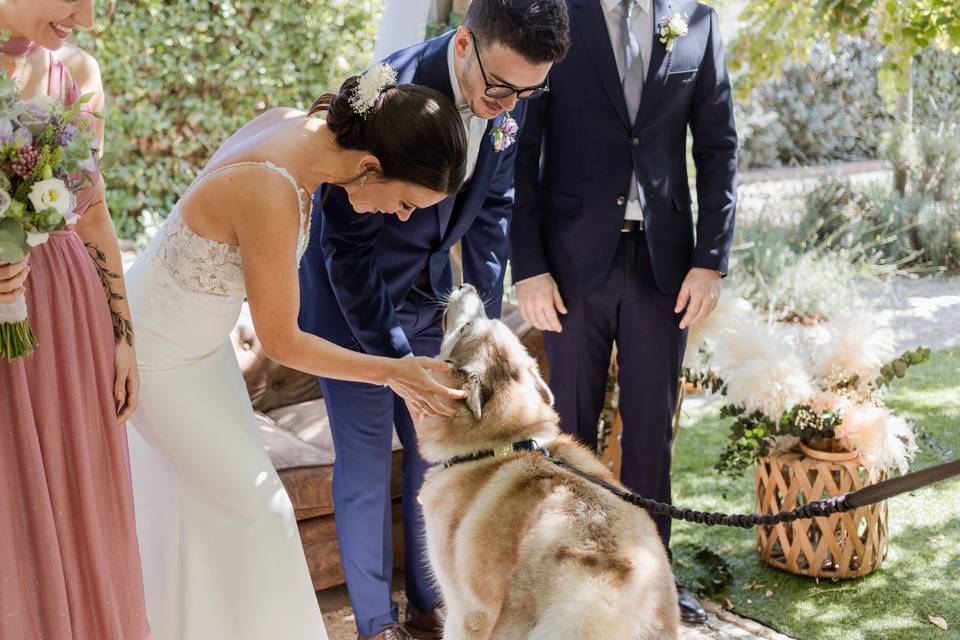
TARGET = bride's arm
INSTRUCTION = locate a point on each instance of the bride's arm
(264, 216)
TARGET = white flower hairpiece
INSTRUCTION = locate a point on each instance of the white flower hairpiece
(371, 85)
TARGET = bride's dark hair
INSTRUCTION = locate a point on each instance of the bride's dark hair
(415, 132)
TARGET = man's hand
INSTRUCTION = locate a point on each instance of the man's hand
(539, 300)
(699, 295)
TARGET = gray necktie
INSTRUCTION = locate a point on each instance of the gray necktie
(633, 68)
(633, 73)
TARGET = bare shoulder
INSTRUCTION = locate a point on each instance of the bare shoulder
(83, 67)
(256, 196)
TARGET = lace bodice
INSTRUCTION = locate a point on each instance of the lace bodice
(202, 265)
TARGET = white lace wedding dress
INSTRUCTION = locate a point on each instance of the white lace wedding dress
(221, 552)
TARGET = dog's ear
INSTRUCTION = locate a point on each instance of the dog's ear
(542, 388)
(474, 398)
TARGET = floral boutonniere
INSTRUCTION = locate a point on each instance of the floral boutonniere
(505, 133)
(671, 28)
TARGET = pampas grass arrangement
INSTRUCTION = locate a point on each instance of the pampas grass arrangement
(822, 386)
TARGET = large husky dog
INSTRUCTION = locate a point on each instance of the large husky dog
(521, 548)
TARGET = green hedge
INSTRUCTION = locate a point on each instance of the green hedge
(180, 76)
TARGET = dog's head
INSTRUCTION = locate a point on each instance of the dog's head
(507, 399)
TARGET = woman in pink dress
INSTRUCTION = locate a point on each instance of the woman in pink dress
(69, 564)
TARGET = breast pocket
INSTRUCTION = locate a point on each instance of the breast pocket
(682, 76)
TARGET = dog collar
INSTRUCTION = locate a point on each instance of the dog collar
(523, 445)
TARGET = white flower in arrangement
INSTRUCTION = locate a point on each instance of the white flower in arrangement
(678, 25)
(730, 312)
(370, 86)
(671, 28)
(854, 345)
(52, 194)
(761, 370)
(884, 439)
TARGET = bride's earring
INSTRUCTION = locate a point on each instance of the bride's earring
(363, 180)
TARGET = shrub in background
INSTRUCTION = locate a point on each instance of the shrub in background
(830, 109)
(181, 76)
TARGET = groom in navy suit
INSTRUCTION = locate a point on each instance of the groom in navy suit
(604, 245)
(372, 283)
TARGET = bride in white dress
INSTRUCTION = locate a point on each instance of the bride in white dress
(219, 542)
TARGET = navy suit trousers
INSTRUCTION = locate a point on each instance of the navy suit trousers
(630, 310)
(362, 419)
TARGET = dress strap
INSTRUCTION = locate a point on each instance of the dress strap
(262, 163)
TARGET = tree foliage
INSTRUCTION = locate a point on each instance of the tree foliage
(180, 76)
(777, 31)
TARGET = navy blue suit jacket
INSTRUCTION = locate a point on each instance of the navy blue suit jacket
(359, 268)
(578, 150)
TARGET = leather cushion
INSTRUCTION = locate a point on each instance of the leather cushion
(270, 384)
(298, 440)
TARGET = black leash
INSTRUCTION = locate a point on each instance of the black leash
(816, 509)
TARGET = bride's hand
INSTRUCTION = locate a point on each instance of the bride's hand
(408, 378)
(126, 386)
(13, 276)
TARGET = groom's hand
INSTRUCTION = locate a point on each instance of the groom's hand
(698, 295)
(540, 301)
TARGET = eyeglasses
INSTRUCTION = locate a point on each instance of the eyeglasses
(500, 91)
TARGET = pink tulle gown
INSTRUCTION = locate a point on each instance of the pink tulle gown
(69, 564)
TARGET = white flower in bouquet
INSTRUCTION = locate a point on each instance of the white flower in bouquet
(761, 370)
(730, 312)
(5, 201)
(36, 239)
(52, 194)
(854, 346)
(878, 435)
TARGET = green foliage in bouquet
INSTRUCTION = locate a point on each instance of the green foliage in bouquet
(41, 140)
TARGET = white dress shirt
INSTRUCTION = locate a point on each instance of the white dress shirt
(641, 23)
(474, 126)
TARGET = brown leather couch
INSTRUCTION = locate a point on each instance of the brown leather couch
(296, 432)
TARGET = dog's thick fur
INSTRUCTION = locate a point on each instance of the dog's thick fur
(520, 548)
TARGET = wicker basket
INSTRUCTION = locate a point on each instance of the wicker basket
(845, 545)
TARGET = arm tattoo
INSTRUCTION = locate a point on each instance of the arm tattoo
(122, 327)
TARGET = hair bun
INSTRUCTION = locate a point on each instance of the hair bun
(342, 120)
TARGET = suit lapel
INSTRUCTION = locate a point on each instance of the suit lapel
(432, 70)
(482, 174)
(658, 69)
(596, 40)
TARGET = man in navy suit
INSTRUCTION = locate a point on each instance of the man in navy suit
(372, 283)
(604, 245)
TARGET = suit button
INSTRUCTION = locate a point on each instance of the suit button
(635, 142)
(621, 200)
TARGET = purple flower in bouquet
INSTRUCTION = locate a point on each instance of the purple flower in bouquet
(504, 134)
(22, 138)
(34, 112)
(69, 133)
(6, 131)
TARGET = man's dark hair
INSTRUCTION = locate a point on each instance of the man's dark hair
(539, 30)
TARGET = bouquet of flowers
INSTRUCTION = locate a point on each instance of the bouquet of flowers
(822, 386)
(46, 157)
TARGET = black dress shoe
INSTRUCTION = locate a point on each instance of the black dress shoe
(393, 632)
(690, 610)
(424, 625)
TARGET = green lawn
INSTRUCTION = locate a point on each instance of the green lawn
(921, 574)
